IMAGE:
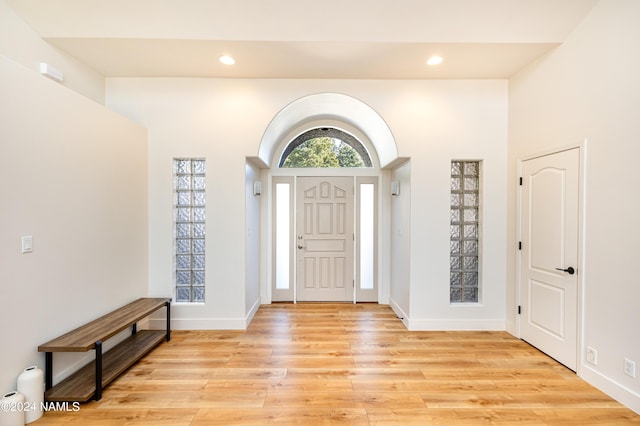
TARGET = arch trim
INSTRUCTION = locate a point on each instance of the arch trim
(329, 106)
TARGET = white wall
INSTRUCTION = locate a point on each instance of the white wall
(20, 43)
(224, 120)
(74, 177)
(400, 238)
(589, 89)
(252, 239)
(453, 120)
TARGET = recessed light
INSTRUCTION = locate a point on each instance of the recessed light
(434, 60)
(227, 60)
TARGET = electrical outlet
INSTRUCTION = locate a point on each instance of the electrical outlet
(592, 356)
(629, 368)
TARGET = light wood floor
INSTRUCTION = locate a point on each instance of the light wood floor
(345, 364)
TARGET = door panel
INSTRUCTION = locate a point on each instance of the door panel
(550, 213)
(547, 307)
(325, 239)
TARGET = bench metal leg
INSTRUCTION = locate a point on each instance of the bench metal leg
(134, 328)
(98, 394)
(168, 305)
(48, 368)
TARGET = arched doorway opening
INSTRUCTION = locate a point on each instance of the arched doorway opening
(323, 228)
(325, 219)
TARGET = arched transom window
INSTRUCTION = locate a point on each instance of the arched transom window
(325, 147)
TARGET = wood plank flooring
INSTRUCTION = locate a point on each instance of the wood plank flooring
(345, 364)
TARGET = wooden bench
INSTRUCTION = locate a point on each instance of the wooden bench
(91, 379)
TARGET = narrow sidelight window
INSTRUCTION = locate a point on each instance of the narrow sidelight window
(189, 220)
(367, 236)
(464, 231)
(283, 235)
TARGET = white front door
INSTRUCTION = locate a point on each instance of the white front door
(549, 263)
(324, 239)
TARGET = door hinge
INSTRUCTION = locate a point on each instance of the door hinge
(519, 245)
(519, 309)
(520, 181)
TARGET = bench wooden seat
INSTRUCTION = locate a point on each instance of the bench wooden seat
(89, 381)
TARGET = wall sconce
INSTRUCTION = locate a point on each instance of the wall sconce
(257, 187)
(395, 187)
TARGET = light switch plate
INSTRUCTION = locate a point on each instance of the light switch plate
(27, 244)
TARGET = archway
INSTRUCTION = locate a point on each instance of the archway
(328, 107)
(325, 110)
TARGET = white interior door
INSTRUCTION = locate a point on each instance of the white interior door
(549, 263)
(324, 239)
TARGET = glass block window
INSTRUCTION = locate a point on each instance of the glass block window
(189, 220)
(464, 231)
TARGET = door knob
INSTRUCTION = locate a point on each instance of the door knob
(300, 246)
(569, 270)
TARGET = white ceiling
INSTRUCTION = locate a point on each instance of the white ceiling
(352, 39)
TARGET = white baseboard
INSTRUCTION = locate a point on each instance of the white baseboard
(206, 323)
(615, 390)
(447, 324)
(252, 312)
(399, 312)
